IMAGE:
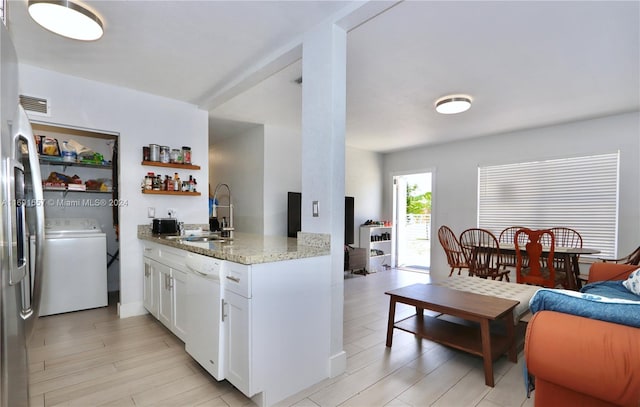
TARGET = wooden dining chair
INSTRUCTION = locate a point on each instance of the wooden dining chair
(632, 258)
(506, 236)
(482, 250)
(539, 268)
(451, 246)
(566, 237)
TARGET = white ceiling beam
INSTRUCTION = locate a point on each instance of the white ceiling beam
(348, 18)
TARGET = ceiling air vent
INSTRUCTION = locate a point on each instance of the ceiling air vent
(34, 104)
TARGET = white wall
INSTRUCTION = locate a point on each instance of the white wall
(364, 181)
(238, 161)
(456, 164)
(282, 164)
(139, 119)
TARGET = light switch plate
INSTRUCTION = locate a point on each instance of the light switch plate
(315, 209)
(151, 212)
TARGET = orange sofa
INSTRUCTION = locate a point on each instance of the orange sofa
(579, 361)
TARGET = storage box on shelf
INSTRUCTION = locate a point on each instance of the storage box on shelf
(377, 240)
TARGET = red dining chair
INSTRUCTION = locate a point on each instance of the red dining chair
(482, 251)
(451, 246)
(538, 268)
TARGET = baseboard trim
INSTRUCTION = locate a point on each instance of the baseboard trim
(338, 364)
(131, 309)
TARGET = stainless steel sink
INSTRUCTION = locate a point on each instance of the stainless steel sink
(203, 239)
(172, 237)
(196, 238)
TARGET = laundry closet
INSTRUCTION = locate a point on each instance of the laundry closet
(79, 170)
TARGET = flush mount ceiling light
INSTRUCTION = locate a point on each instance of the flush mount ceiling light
(453, 104)
(66, 18)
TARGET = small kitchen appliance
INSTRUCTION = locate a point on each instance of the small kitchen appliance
(164, 226)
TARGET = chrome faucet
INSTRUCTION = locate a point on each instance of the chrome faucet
(226, 228)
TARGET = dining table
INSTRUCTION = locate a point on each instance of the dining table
(570, 255)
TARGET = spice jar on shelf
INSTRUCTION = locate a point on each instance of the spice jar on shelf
(176, 156)
(148, 180)
(186, 155)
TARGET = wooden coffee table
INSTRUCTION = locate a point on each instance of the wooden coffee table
(468, 306)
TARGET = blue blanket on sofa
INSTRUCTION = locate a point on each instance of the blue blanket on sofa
(606, 300)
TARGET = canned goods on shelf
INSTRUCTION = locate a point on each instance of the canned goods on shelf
(154, 152)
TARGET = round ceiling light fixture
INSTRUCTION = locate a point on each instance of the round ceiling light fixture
(453, 104)
(66, 18)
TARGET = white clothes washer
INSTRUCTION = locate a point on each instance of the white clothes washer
(75, 266)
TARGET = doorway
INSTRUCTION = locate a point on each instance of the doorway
(412, 217)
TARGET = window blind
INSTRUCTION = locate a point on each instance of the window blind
(579, 192)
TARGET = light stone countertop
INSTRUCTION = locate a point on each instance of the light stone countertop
(250, 248)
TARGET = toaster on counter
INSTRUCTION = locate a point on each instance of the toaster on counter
(165, 226)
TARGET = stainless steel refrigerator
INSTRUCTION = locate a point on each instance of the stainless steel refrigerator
(21, 215)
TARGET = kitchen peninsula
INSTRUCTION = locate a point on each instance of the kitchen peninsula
(249, 248)
(272, 318)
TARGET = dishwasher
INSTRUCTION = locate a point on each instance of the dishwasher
(205, 321)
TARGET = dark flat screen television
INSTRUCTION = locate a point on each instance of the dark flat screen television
(294, 216)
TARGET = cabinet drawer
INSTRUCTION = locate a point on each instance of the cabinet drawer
(237, 278)
(174, 258)
(151, 251)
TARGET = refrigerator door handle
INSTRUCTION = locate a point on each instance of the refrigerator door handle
(22, 131)
(16, 238)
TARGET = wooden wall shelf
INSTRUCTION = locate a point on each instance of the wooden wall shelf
(153, 192)
(171, 165)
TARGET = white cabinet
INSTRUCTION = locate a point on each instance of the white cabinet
(164, 296)
(277, 316)
(165, 287)
(263, 327)
(179, 303)
(379, 244)
(150, 295)
(237, 320)
(238, 336)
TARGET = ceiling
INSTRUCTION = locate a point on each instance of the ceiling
(525, 64)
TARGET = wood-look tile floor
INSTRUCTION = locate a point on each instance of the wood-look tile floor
(92, 358)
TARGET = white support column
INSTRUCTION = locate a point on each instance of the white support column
(323, 152)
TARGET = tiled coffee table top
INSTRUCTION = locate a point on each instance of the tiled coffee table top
(495, 288)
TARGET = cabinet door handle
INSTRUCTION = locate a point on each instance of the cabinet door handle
(222, 304)
(170, 281)
(234, 279)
